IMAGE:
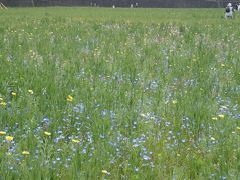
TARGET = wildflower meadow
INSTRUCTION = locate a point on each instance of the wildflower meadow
(124, 93)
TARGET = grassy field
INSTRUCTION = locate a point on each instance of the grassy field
(101, 93)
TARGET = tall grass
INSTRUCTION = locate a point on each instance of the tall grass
(87, 93)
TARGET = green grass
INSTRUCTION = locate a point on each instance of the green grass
(155, 93)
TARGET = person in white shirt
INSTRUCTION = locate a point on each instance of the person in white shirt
(238, 7)
(229, 11)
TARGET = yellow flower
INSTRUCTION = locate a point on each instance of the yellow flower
(69, 98)
(30, 91)
(105, 172)
(14, 94)
(143, 115)
(3, 103)
(47, 133)
(221, 116)
(25, 153)
(75, 140)
(9, 138)
(224, 107)
(212, 138)
(2, 133)
(214, 118)
(238, 128)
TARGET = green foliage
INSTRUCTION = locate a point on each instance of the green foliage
(97, 93)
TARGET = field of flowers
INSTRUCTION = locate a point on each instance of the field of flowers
(96, 93)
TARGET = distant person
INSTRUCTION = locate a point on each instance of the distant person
(237, 6)
(229, 11)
